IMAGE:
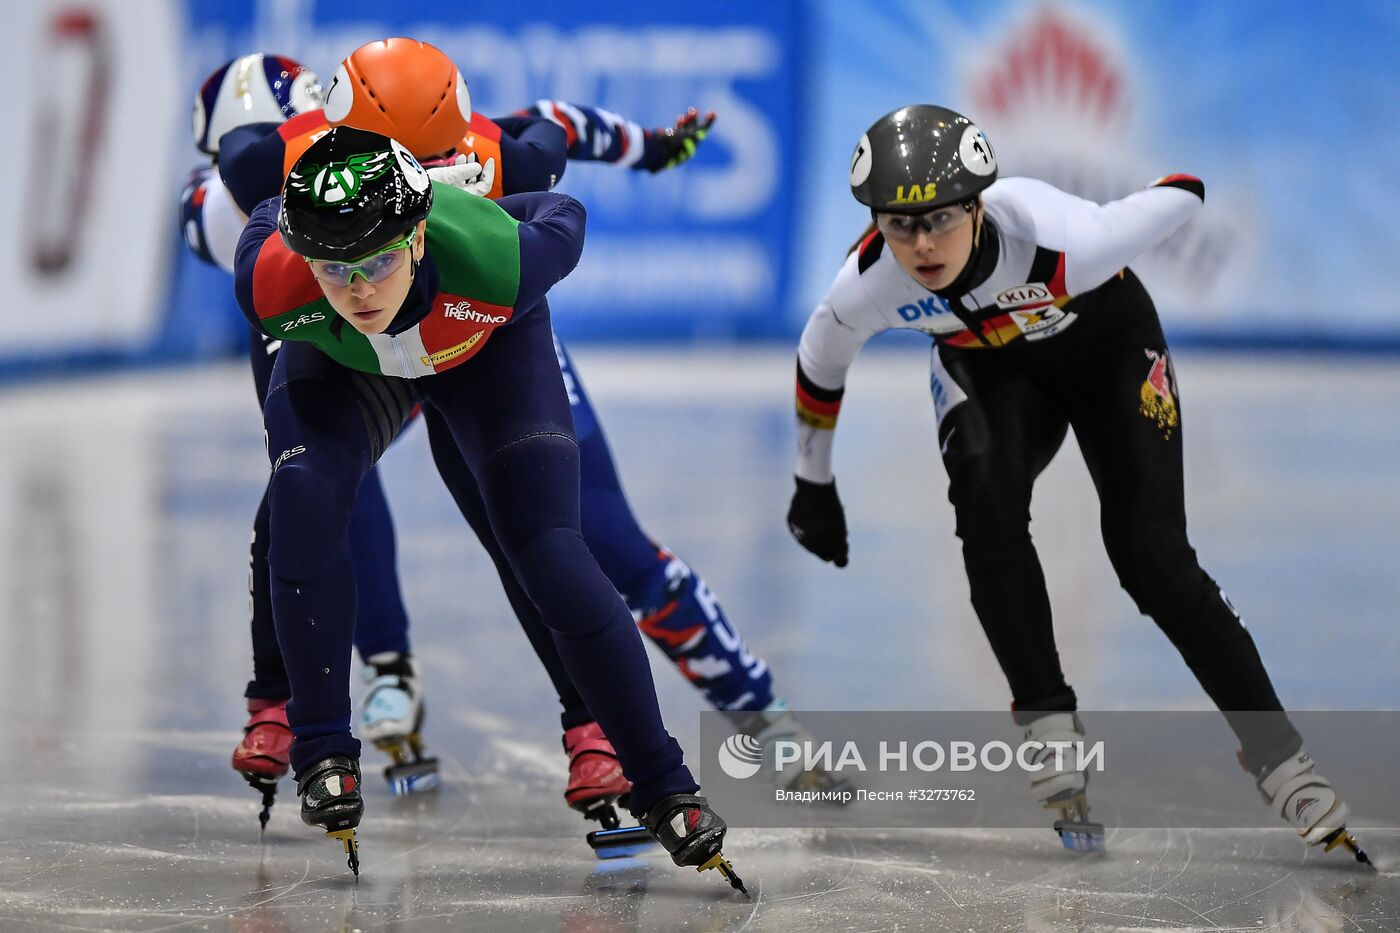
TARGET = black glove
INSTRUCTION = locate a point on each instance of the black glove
(676, 144)
(817, 520)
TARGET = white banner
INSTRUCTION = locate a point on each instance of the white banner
(87, 205)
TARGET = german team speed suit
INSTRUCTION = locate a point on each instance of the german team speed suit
(1047, 329)
(673, 605)
(472, 344)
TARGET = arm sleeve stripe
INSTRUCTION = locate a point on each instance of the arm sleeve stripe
(816, 406)
(1057, 281)
(870, 249)
(1048, 266)
(816, 393)
(562, 118)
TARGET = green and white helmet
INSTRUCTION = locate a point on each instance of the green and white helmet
(921, 157)
(350, 193)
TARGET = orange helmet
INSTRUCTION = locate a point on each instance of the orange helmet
(405, 89)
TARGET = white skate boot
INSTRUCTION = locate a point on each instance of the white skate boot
(1306, 800)
(393, 719)
(776, 723)
(1060, 784)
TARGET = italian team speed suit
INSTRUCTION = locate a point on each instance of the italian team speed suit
(673, 605)
(473, 345)
(1044, 330)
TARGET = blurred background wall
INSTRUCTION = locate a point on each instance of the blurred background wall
(1290, 111)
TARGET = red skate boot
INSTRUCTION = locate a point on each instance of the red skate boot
(595, 776)
(596, 786)
(261, 758)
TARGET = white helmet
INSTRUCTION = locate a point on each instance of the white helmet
(255, 88)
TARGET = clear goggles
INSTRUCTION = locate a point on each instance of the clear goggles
(374, 268)
(905, 228)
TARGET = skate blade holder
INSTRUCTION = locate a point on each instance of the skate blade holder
(619, 842)
(1347, 841)
(603, 810)
(267, 786)
(1077, 832)
(1081, 836)
(352, 847)
(415, 777)
(726, 871)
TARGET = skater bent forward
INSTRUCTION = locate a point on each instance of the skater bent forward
(392, 291)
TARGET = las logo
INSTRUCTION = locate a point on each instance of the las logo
(917, 194)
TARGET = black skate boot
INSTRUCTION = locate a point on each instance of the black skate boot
(687, 828)
(330, 798)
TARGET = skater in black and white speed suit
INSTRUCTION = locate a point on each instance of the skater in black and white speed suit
(1038, 326)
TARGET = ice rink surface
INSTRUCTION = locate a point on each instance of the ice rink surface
(125, 507)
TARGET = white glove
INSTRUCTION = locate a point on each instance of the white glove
(467, 174)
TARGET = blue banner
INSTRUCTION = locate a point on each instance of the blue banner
(702, 251)
(1289, 112)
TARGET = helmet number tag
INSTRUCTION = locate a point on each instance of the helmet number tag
(861, 162)
(976, 153)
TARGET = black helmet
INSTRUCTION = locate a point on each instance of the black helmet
(350, 193)
(920, 157)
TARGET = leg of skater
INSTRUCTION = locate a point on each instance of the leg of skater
(672, 604)
(998, 430)
(393, 712)
(595, 780)
(261, 755)
(1127, 418)
(325, 427)
(522, 451)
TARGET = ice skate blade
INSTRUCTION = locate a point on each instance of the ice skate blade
(1085, 838)
(1347, 841)
(619, 842)
(720, 864)
(352, 847)
(267, 786)
(416, 778)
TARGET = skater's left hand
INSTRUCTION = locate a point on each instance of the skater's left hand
(818, 522)
(676, 144)
(467, 174)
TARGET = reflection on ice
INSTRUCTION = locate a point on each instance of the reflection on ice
(124, 516)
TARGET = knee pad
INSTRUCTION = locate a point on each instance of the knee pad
(991, 515)
(310, 511)
(564, 582)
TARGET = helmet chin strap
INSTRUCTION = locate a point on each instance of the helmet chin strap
(977, 215)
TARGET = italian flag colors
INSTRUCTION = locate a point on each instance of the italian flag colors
(477, 251)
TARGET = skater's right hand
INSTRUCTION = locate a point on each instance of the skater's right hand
(674, 145)
(817, 520)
